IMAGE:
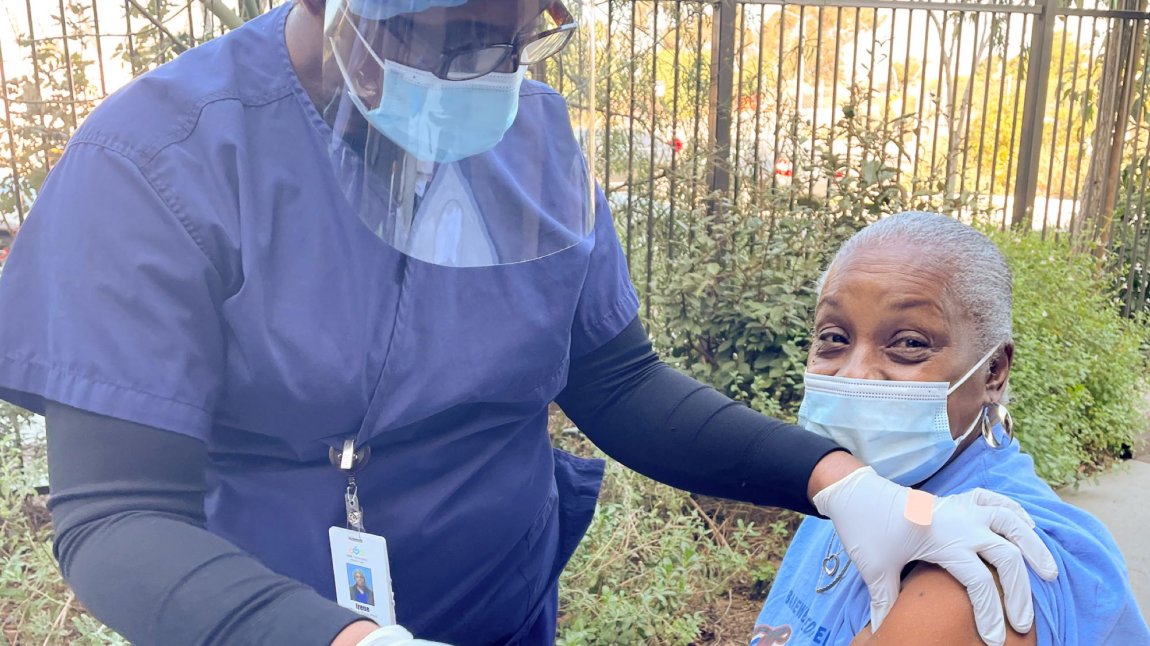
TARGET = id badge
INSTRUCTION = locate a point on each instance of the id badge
(362, 574)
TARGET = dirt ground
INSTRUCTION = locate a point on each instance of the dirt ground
(731, 622)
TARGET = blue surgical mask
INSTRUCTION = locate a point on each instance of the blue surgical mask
(900, 428)
(439, 120)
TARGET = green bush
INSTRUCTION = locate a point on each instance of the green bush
(1076, 387)
(1129, 275)
(656, 560)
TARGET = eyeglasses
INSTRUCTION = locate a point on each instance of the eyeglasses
(468, 63)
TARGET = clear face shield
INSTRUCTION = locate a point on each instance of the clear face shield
(444, 143)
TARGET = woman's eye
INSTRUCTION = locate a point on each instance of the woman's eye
(911, 343)
(832, 338)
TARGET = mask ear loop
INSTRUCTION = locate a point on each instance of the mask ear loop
(956, 385)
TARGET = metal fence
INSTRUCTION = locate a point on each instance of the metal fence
(59, 58)
(1035, 111)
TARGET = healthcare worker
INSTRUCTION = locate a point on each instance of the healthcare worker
(295, 305)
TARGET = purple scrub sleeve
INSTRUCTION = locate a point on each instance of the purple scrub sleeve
(118, 301)
(599, 320)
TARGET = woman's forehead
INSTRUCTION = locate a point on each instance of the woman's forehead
(892, 275)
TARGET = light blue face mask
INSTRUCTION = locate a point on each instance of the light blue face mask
(900, 428)
(439, 120)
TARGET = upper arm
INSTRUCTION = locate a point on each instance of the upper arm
(118, 300)
(101, 467)
(608, 302)
(929, 591)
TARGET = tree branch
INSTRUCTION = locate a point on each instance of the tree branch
(180, 45)
(223, 13)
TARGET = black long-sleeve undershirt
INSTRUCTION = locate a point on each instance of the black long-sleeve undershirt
(673, 429)
(127, 500)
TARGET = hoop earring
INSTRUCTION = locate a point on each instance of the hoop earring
(987, 429)
(1007, 423)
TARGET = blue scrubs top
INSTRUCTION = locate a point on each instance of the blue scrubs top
(191, 264)
(1089, 603)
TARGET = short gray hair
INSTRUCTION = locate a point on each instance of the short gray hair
(978, 276)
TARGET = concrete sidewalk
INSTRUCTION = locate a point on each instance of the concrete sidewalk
(1119, 501)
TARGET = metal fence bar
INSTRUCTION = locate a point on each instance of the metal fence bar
(1073, 101)
(17, 189)
(98, 36)
(1120, 14)
(1032, 114)
(650, 232)
(740, 48)
(938, 100)
(722, 80)
(675, 145)
(871, 66)
(68, 64)
(904, 91)
(921, 104)
(835, 76)
(32, 44)
(800, 69)
(985, 102)
(757, 174)
(854, 70)
(889, 69)
(951, 107)
(816, 92)
(631, 138)
(1103, 230)
(607, 104)
(1054, 139)
(965, 7)
(778, 96)
(1143, 292)
(1127, 213)
(1138, 217)
(698, 122)
(998, 123)
(966, 109)
(131, 41)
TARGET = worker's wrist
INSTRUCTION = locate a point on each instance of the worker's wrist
(830, 469)
(354, 633)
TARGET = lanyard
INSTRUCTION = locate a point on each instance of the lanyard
(349, 460)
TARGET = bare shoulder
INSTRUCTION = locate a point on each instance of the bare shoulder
(933, 608)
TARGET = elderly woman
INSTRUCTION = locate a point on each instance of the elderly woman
(908, 369)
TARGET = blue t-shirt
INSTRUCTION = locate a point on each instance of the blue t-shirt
(1089, 603)
(192, 264)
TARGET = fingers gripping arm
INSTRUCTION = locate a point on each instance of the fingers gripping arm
(868, 512)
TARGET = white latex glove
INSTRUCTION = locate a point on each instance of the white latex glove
(868, 513)
(394, 636)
